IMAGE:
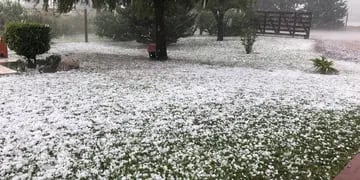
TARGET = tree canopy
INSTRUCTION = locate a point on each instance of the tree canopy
(326, 13)
(279, 5)
(219, 8)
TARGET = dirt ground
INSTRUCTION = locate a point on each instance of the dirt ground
(340, 45)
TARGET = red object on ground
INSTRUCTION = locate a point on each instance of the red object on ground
(3, 49)
(151, 48)
(351, 170)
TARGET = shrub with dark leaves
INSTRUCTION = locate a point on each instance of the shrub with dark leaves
(28, 40)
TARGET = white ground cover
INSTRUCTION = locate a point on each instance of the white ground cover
(211, 112)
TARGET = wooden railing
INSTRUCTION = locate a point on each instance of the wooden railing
(284, 23)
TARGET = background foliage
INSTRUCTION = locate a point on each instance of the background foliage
(179, 22)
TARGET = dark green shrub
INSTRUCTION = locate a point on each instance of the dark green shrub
(28, 40)
(324, 66)
(50, 64)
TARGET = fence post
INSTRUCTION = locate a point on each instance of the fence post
(346, 20)
(294, 24)
(265, 19)
(86, 25)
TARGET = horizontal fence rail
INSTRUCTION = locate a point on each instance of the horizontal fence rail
(284, 23)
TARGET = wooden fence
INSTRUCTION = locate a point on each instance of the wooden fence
(284, 23)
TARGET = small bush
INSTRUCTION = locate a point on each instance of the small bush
(28, 40)
(50, 64)
(324, 66)
(248, 32)
(248, 38)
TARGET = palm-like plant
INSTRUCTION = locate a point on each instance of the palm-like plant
(324, 66)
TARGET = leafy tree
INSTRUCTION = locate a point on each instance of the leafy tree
(327, 13)
(155, 8)
(161, 51)
(219, 8)
(10, 12)
(279, 5)
(179, 22)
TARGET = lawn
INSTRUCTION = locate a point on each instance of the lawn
(211, 112)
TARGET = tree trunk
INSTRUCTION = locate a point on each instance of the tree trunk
(161, 52)
(31, 64)
(220, 25)
(46, 5)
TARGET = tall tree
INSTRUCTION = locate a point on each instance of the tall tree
(157, 9)
(327, 13)
(219, 8)
(161, 52)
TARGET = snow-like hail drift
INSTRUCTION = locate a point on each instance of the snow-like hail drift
(211, 111)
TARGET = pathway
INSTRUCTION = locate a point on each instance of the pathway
(5, 70)
(351, 170)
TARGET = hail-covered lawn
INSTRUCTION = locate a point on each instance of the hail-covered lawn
(211, 112)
